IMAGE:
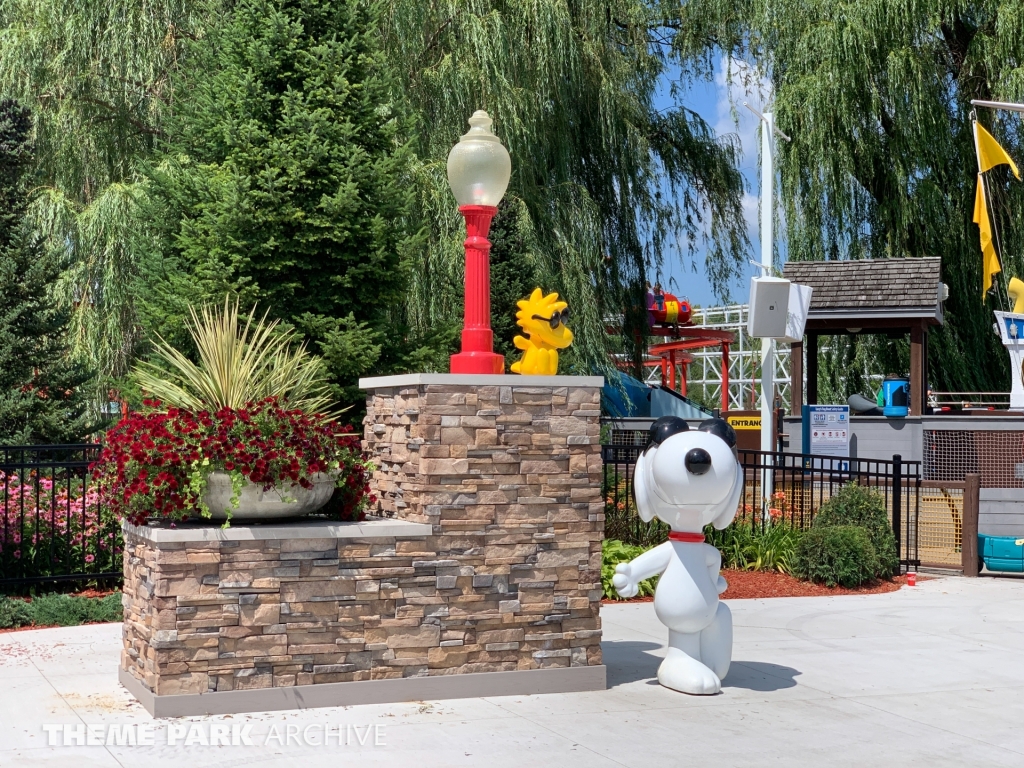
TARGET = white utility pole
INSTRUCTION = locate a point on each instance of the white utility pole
(768, 131)
(767, 254)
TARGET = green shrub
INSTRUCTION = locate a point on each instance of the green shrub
(59, 610)
(865, 508)
(836, 555)
(70, 611)
(746, 548)
(13, 613)
(614, 552)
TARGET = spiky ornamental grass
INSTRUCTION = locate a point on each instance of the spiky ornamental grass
(876, 97)
(239, 363)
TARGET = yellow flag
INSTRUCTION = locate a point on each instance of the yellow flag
(990, 154)
(989, 260)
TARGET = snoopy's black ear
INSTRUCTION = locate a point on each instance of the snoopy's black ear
(664, 428)
(722, 428)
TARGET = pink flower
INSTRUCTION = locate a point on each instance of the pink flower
(17, 554)
(89, 558)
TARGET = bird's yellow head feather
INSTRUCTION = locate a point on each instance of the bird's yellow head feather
(543, 318)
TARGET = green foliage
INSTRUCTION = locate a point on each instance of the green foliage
(604, 184)
(614, 552)
(238, 364)
(747, 548)
(59, 610)
(876, 97)
(863, 507)
(95, 74)
(514, 275)
(851, 541)
(280, 179)
(40, 388)
(836, 555)
(14, 613)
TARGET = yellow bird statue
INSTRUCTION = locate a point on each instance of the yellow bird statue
(1016, 291)
(542, 319)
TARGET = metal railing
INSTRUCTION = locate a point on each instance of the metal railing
(53, 524)
(797, 486)
(801, 484)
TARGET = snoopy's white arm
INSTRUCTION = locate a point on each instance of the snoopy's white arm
(629, 575)
(651, 563)
(732, 503)
(713, 558)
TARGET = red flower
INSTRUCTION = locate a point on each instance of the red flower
(147, 458)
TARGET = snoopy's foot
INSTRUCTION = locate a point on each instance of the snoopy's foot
(685, 674)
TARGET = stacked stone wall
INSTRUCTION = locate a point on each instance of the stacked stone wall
(509, 480)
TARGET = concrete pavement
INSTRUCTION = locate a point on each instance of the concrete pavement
(930, 675)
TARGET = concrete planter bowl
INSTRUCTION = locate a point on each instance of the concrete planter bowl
(255, 504)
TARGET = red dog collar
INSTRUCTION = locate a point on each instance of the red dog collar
(691, 538)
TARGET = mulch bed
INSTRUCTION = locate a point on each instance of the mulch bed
(757, 584)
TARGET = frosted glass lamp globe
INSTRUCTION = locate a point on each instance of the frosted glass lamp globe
(479, 166)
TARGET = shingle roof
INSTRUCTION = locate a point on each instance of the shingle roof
(871, 287)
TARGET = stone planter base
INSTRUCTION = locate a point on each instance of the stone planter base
(438, 687)
(481, 578)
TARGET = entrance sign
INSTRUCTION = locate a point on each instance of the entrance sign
(744, 422)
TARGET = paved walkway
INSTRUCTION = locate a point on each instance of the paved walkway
(927, 676)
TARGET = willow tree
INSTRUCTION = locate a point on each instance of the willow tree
(95, 74)
(604, 186)
(876, 97)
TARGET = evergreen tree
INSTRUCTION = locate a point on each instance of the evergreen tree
(514, 275)
(281, 180)
(41, 400)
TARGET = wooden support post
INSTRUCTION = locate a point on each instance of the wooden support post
(812, 369)
(725, 376)
(796, 378)
(969, 525)
(917, 383)
(924, 369)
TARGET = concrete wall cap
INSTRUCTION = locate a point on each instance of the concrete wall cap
(300, 529)
(479, 380)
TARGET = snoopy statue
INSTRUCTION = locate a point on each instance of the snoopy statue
(687, 478)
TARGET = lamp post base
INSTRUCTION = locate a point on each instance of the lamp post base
(477, 362)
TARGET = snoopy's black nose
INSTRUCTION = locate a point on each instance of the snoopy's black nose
(698, 461)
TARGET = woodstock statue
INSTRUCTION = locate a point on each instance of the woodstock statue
(687, 479)
(542, 319)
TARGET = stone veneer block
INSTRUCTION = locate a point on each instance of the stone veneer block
(211, 609)
(487, 559)
(507, 472)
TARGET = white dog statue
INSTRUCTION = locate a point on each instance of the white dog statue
(687, 479)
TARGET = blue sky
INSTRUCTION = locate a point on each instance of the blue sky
(720, 103)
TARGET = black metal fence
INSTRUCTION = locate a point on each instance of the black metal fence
(786, 488)
(53, 524)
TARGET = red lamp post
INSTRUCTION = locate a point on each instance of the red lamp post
(479, 169)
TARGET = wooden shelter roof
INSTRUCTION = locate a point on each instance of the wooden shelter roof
(891, 291)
